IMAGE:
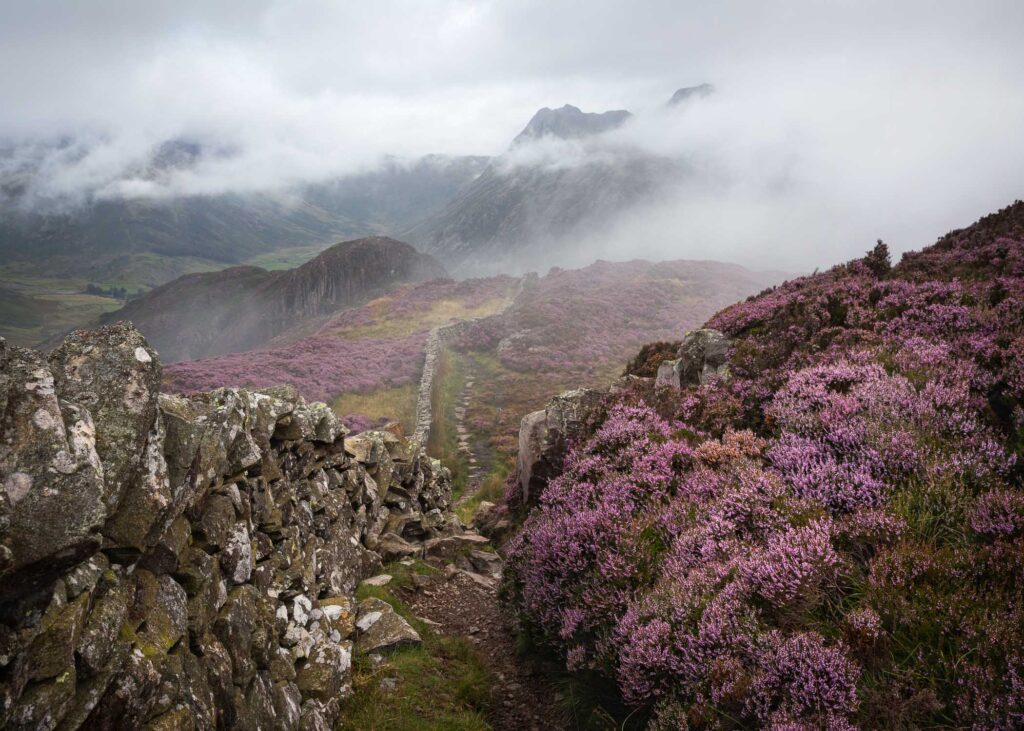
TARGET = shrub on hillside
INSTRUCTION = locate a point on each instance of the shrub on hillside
(651, 355)
(834, 538)
(338, 358)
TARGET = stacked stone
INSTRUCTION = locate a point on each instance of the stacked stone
(703, 356)
(171, 562)
(424, 397)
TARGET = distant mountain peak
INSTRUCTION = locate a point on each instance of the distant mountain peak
(690, 92)
(568, 122)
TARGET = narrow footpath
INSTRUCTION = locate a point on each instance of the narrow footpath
(461, 601)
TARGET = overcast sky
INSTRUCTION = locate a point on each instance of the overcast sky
(904, 111)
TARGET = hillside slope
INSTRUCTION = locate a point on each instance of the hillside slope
(814, 518)
(517, 217)
(240, 308)
(564, 177)
(560, 181)
(113, 238)
(149, 238)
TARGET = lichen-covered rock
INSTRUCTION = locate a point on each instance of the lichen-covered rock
(236, 557)
(544, 437)
(381, 629)
(216, 521)
(287, 705)
(327, 672)
(393, 548)
(84, 576)
(52, 651)
(143, 510)
(364, 448)
(703, 356)
(667, 376)
(339, 615)
(97, 644)
(114, 374)
(53, 492)
(163, 604)
(44, 704)
(233, 535)
(448, 547)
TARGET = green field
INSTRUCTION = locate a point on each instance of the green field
(288, 258)
(39, 303)
(396, 404)
(35, 311)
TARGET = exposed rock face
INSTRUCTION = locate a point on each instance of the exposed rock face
(524, 212)
(545, 435)
(240, 308)
(568, 121)
(687, 93)
(517, 215)
(381, 628)
(667, 376)
(703, 357)
(170, 562)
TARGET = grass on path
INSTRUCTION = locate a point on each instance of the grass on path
(440, 686)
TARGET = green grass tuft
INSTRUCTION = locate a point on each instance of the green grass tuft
(440, 686)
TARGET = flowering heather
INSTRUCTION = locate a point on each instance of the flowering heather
(833, 537)
(805, 679)
(320, 367)
(999, 513)
(378, 345)
(794, 566)
(582, 320)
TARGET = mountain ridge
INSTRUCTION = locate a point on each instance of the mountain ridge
(533, 208)
(241, 307)
(568, 122)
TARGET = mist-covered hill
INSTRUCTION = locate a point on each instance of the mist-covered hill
(812, 518)
(140, 231)
(563, 179)
(240, 308)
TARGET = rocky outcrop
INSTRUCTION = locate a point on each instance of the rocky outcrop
(241, 308)
(703, 356)
(687, 93)
(525, 211)
(171, 562)
(568, 122)
(545, 435)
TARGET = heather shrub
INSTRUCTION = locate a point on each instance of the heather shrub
(650, 357)
(834, 538)
(362, 349)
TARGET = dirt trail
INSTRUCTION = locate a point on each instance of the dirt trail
(461, 601)
(475, 473)
(462, 606)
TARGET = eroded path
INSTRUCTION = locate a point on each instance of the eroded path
(465, 446)
(461, 600)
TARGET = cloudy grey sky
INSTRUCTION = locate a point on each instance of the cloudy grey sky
(830, 113)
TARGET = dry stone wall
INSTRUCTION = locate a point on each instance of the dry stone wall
(439, 337)
(171, 562)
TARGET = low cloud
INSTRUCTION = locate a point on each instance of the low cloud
(833, 123)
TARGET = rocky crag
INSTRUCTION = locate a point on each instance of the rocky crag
(177, 563)
(245, 307)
